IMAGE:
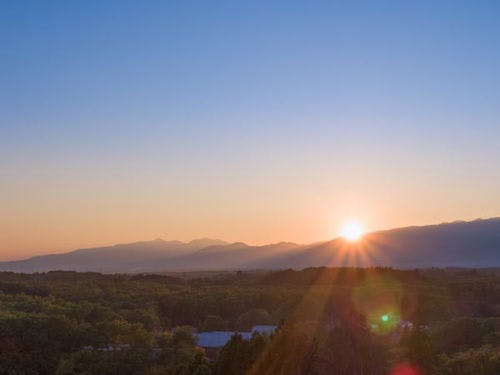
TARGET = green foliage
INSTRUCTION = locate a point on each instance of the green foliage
(478, 361)
(178, 354)
(213, 323)
(420, 349)
(460, 346)
(304, 349)
(238, 355)
(253, 317)
(461, 334)
(89, 323)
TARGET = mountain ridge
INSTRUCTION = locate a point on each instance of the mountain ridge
(456, 244)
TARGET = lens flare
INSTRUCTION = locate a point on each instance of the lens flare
(379, 300)
(405, 369)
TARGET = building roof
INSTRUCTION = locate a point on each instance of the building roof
(216, 339)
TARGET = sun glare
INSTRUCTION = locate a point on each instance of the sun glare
(352, 231)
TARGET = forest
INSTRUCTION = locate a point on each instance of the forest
(352, 321)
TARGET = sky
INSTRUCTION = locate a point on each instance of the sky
(250, 121)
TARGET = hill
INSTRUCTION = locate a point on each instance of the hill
(457, 244)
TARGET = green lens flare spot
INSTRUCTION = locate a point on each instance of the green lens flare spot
(384, 318)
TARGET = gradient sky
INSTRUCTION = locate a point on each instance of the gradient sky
(246, 121)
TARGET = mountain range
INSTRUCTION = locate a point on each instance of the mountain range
(458, 244)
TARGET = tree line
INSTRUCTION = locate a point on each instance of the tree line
(331, 321)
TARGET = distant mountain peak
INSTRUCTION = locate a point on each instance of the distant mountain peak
(205, 242)
(242, 244)
(457, 244)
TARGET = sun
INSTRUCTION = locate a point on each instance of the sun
(352, 230)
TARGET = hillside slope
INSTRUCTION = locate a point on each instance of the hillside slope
(457, 244)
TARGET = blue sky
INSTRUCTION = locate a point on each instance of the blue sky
(224, 118)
